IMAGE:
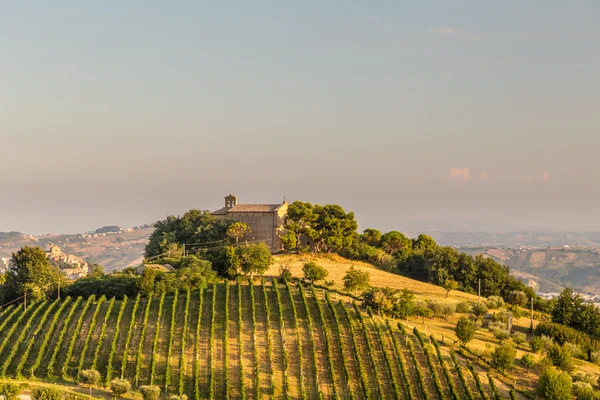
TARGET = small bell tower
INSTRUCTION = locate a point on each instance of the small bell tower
(230, 201)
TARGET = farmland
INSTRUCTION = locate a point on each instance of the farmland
(235, 340)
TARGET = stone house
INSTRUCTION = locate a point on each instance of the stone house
(267, 221)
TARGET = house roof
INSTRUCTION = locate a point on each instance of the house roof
(248, 208)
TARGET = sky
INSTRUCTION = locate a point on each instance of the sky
(428, 115)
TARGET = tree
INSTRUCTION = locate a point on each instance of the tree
(237, 230)
(289, 240)
(314, 272)
(46, 393)
(285, 274)
(561, 357)
(31, 271)
(555, 385)
(254, 258)
(372, 237)
(465, 330)
(150, 392)
(119, 387)
(424, 243)
(9, 391)
(393, 242)
(479, 310)
(333, 229)
(450, 285)
(355, 280)
(517, 297)
(383, 299)
(421, 309)
(405, 304)
(503, 357)
(300, 217)
(89, 377)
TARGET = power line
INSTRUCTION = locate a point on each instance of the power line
(10, 302)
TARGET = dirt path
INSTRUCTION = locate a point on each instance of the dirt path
(325, 381)
(205, 351)
(310, 381)
(277, 347)
(291, 343)
(263, 356)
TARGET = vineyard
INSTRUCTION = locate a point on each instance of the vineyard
(237, 340)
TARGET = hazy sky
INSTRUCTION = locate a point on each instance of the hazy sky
(417, 115)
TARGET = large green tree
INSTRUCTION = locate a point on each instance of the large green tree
(334, 229)
(31, 272)
(194, 229)
(394, 242)
(300, 220)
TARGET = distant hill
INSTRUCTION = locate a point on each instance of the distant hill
(105, 246)
(552, 268)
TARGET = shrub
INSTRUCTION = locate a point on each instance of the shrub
(178, 397)
(536, 344)
(46, 393)
(517, 298)
(150, 392)
(465, 330)
(595, 357)
(479, 309)
(547, 342)
(503, 357)
(285, 275)
(519, 338)
(583, 391)
(583, 377)
(501, 334)
(494, 302)
(528, 360)
(561, 357)
(463, 307)
(448, 310)
(314, 272)
(555, 385)
(575, 350)
(9, 391)
(89, 377)
(119, 387)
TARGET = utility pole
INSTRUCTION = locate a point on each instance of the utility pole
(479, 291)
(531, 327)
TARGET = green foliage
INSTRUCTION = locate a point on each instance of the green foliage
(237, 230)
(432, 371)
(465, 330)
(494, 302)
(88, 337)
(356, 279)
(125, 355)
(555, 385)
(289, 240)
(150, 392)
(197, 394)
(154, 358)
(561, 357)
(445, 370)
(193, 227)
(421, 309)
(478, 383)
(517, 298)
(116, 285)
(113, 345)
(479, 309)
(102, 334)
(572, 311)
(528, 360)
(140, 350)
(89, 377)
(314, 272)
(495, 391)
(394, 242)
(186, 316)
(380, 299)
(285, 274)
(9, 391)
(88, 303)
(172, 339)
(61, 338)
(503, 357)
(587, 378)
(119, 387)
(450, 285)
(584, 391)
(300, 217)
(536, 344)
(333, 228)
(562, 334)
(46, 393)
(461, 376)
(31, 272)
(519, 338)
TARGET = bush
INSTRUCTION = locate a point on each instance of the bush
(119, 386)
(528, 360)
(46, 393)
(479, 309)
(494, 302)
(9, 391)
(314, 272)
(465, 330)
(177, 397)
(561, 357)
(555, 385)
(575, 350)
(150, 392)
(519, 338)
(503, 357)
(536, 344)
(583, 377)
(89, 377)
(285, 275)
(595, 357)
(547, 342)
(583, 391)
(463, 307)
(501, 334)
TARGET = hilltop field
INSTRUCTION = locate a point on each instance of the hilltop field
(259, 340)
